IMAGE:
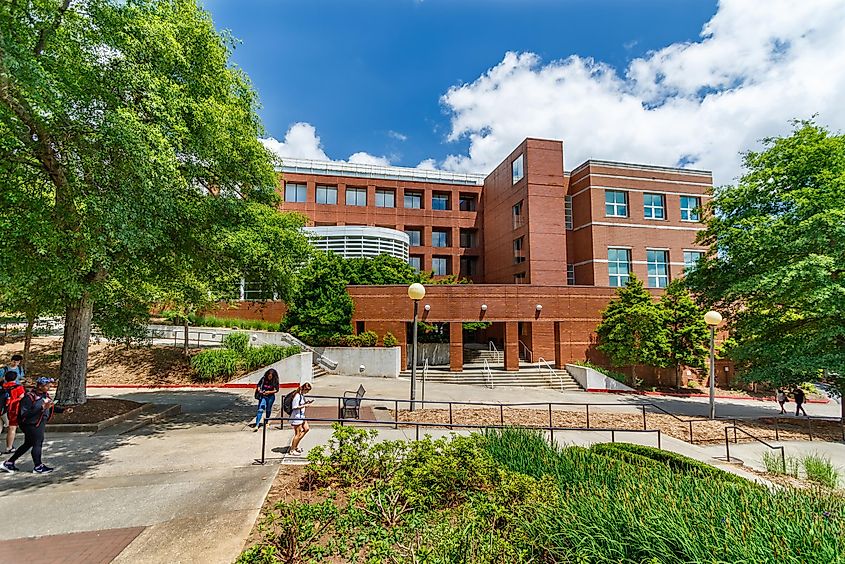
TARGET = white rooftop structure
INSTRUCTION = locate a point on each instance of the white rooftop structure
(332, 168)
(357, 241)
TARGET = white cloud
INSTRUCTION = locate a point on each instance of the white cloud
(697, 103)
(396, 135)
(302, 142)
(427, 164)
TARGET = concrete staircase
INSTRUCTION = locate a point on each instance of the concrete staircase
(317, 371)
(475, 374)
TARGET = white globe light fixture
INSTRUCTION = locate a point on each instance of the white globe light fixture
(539, 307)
(427, 307)
(416, 291)
(483, 307)
(712, 319)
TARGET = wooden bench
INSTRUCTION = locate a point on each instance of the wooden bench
(351, 404)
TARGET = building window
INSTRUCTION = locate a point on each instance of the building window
(653, 206)
(468, 202)
(252, 290)
(439, 238)
(567, 212)
(415, 236)
(689, 208)
(356, 196)
(440, 266)
(517, 167)
(416, 262)
(616, 203)
(295, 192)
(518, 218)
(658, 268)
(520, 278)
(468, 238)
(469, 266)
(570, 274)
(440, 201)
(618, 266)
(385, 199)
(691, 258)
(518, 253)
(413, 200)
(326, 194)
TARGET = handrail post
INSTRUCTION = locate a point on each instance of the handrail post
(690, 432)
(658, 440)
(550, 416)
(810, 428)
(418, 432)
(783, 458)
(501, 415)
(644, 423)
(450, 416)
(339, 409)
(396, 414)
(588, 414)
(727, 446)
(612, 436)
(777, 434)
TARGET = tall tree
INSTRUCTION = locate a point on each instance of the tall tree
(686, 330)
(128, 135)
(776, 268)
(632, 330)
(320, 308)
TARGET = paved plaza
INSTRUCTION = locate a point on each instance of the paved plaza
(188, 489)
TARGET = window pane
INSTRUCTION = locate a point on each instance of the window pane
(415, 236)
(413, 200)
(439, 238)
(615, 203)
(467, 239)
(691, 258)
(295, 192)
(326, 194)
(467, 203)
(653, 206)
(689, 208)
(356, 196)
(440, 202)
(658, 268)
(385, 199)
(618, 266)
(415, 262)
(517, 169)
(438, 266)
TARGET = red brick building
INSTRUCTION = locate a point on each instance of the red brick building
(569, 237)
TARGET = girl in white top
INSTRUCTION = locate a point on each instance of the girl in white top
(297, 417)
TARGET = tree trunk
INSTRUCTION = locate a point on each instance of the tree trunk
(185, 345)
(74, 366)
(27, 340)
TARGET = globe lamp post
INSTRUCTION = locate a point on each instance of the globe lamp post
(416, 292)
(712, 319)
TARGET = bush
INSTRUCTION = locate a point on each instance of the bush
(368, 339)
(265, 355)
(820, 470)
(215, 363)
(776, 465)
(390, 340)
(238, 342)
(618, 376)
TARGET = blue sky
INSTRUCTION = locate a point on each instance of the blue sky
(368, 76)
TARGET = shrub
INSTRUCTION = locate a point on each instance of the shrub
(618, 376)
(368, 339)
(238, 342)
(820, 470)
(390, 340)
(776, 465)
(265, 355)
(215, 363)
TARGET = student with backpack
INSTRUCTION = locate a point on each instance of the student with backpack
(10, 396)
(15, 366)
(294, 405)
(265, 392)
(36, 408)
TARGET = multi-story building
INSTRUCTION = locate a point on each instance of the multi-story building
(544, 248)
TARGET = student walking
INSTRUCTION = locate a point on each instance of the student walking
(15, 366)
(10, 397)
(798, 394)
(782, 399)
(297, 417)
(36, 408)
(265, 392)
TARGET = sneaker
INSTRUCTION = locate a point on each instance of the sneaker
(10, 467)
(8, 451)
(251, 425)
(295, 452)
(42, 469)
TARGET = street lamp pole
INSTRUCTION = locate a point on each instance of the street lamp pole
(416, 292)
(712, 319)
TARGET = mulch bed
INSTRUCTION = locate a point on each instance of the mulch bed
(95, 410)
(704, 431)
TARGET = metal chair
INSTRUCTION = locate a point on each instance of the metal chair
(351, 406)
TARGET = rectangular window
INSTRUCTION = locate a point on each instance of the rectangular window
(520, 278)
(439, 238)
(691, 259)
(416, 262)
(413, 200)
(518, 169)
(658, 268)
(654, 206)
(385, 198)
(567, 212)
(326, 194)
(618, 266)
(689, 208)
(615, 203)
(415, 236)
(468, 238)
(518, 218)
(468, 202)
(295, 192)
(356, 196)
(570, 274)
(440, 201)
(518, 253)
(440, 266)
(469, 266)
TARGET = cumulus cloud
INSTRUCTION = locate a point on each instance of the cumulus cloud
(396, 135)
(696, 104)
(302, 142)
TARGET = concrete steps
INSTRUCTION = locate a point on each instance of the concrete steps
(153, 413)
(317, 371)
(528, 376)
(472, 356)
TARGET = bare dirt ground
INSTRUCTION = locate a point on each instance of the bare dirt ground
(704, 431)
(107, 363)
(95, 410)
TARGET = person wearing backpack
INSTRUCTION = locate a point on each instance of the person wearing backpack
(15, 366)
(296, 409)
(265, 392)
(10, 397)
(36, 408)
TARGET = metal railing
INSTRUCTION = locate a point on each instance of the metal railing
(543, 363)
(529, 355)
(743, 431)
(319, 358)
(488, 374)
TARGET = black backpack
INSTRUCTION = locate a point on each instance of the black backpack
(287, 403)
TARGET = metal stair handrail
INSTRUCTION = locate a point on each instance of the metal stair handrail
(528, 352)
(543, 363)
(488, 374)
(318, 358)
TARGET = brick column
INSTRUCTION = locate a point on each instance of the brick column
(561, 345)
(511, 346)
(456, 346)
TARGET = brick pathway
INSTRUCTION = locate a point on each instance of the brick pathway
(93, 547)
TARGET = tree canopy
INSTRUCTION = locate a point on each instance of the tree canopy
(131, 162)
(777, 259)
